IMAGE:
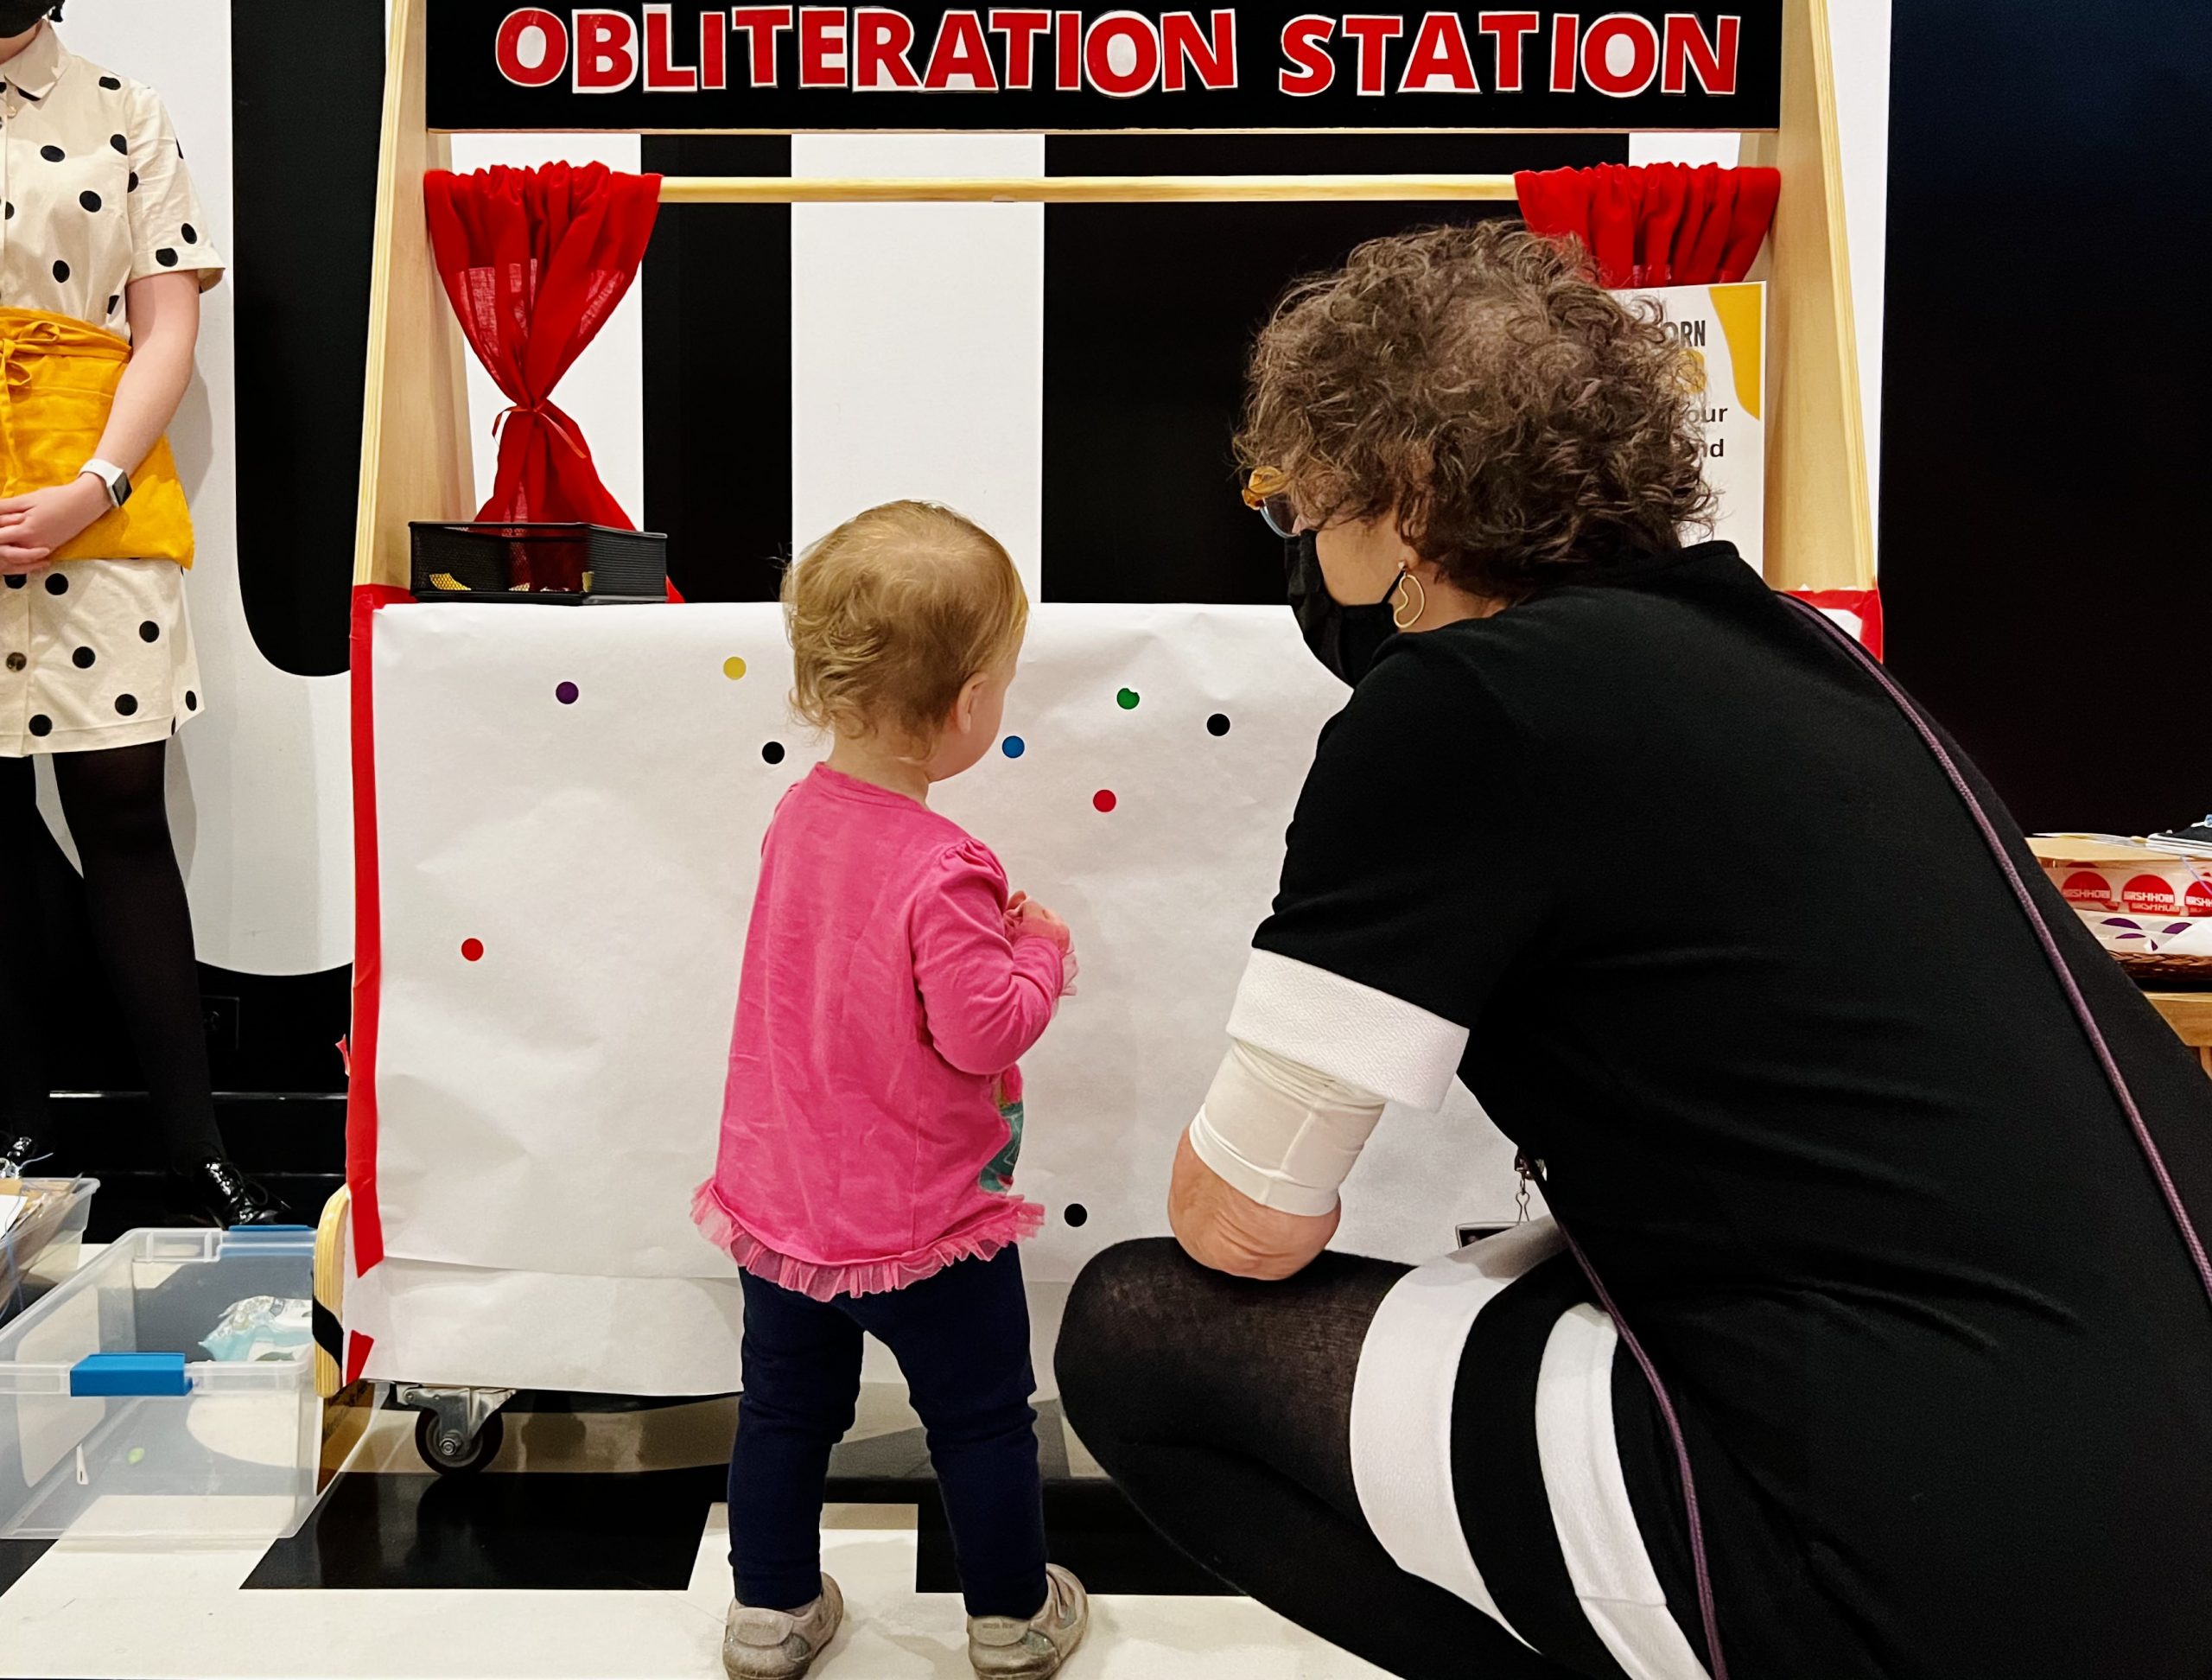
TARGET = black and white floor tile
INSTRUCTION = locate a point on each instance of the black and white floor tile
(596, 1545)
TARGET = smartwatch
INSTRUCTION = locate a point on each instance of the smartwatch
(117, 481)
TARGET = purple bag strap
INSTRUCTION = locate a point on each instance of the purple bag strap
(2190, 1235)
(2090, 1030)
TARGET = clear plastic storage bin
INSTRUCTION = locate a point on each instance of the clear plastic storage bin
(41, 1248)
(115, 1422)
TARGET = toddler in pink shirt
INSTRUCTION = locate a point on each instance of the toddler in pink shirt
(872, 1114)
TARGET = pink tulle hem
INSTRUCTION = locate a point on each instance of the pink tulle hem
(1020, 1220)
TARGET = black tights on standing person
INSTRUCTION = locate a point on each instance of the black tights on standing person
(140, 928)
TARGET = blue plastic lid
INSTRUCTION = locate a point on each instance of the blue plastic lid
(160, 1374)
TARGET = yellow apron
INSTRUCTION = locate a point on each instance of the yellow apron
(61, 375)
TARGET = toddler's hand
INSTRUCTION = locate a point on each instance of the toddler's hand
(1031, 920)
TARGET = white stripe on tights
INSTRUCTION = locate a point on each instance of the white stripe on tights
(1402, 1406)
(1605, 1557)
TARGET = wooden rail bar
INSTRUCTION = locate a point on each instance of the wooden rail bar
(1078, 189)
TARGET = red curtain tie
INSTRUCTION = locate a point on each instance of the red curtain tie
(545, 414)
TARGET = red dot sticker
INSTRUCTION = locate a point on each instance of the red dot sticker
(2087, 887)
(2198, 899)
(2148, 895)
(471, 951)
(1103, 800)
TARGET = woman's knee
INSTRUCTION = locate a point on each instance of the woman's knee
(1129, 1324)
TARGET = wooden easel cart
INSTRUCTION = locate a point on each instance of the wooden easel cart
(416, 458)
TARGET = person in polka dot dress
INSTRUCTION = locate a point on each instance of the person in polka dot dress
(99, 230)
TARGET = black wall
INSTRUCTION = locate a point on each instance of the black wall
(1149, 313)
(2043, 461)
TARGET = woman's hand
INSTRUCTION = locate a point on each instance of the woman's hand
(33, 526)
(1221, 1227)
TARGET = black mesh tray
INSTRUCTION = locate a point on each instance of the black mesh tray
(550, 563)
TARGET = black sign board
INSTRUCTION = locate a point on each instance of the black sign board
(687, 66)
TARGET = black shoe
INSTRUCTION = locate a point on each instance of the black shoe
(225, 1197)
(19, 1155)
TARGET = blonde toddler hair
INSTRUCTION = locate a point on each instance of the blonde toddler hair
(891, 614)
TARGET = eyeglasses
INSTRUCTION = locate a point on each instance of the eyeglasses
(1267, 492)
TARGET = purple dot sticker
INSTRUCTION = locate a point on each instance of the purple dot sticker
(567, 693)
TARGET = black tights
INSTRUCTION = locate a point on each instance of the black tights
(1223, 1409)
(116, 802)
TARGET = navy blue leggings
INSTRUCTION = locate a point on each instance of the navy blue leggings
(962, 1338)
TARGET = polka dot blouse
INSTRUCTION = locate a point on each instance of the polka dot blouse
(96, 190)
(93, 194)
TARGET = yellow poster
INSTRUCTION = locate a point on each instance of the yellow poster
(1726, 326)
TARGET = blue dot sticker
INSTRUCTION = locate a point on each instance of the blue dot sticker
(1013, 745)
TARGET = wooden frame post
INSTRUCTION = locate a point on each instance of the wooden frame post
(1820, 522)
(416, 459)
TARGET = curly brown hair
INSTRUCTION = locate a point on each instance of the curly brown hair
(1476, 381)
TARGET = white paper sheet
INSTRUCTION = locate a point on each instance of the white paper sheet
(546, 1110)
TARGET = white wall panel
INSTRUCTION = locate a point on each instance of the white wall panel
(917, 341)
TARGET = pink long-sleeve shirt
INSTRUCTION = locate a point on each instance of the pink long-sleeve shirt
(883, 1004)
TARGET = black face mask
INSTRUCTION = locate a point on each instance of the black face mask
(18, 16)
(1344, 639)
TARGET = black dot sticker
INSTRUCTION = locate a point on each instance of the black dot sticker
(166, 257)
(150, 632)
(56, 583)
(112, 302)
(179, 144)
(773, 751)
(89, 200)
(1217, 724)
(191, 234)
(126, 705)
(134, 180)
(111, 84)
(60, 269)
(16, 580)
(52, 153)
(191, 700)
(11, 212)
(1077, 1214)
(120, 145)
(41, 726)
(83, 658)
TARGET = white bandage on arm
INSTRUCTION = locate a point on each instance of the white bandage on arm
(1284, 1134)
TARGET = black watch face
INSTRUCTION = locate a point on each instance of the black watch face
(121, 488)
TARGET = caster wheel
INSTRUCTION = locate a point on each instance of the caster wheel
(474, 1456)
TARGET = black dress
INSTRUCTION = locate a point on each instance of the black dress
(1679, 892)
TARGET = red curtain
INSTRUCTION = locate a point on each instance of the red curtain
(1657, 223)
(535, 261)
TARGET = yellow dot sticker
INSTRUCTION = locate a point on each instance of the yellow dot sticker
(733, 667)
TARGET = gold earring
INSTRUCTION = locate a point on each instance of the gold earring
(1398, 600)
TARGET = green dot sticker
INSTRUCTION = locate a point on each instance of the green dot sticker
(1127, 699)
